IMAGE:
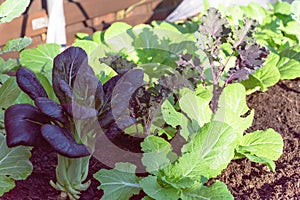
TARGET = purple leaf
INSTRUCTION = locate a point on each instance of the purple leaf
(79, 112)
(30, 84)
(122, 140)
(105, 119)
(118, 91)
(250, 58)
(121, 96)
(99, 96)
(63, 142)
(75, 81)
(22, 124)
(66, 90)
(87, 89)
(51, 109)
(110, 85)
(66, 66)
(213, 24)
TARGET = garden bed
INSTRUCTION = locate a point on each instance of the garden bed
(278, 108)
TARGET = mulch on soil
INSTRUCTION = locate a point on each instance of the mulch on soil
(278, 108)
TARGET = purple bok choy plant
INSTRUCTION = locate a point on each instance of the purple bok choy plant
(65, 127)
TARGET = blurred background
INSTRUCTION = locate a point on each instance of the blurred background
(57, 21)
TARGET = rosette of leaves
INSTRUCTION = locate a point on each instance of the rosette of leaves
(66, 125)
(47, 121)
(51, 124)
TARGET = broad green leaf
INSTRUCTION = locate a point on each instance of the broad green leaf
(14, 45)
(217, 191)
(266, 161)
(174, 118)
(157, 153)
(40, 59)
(209, 152)
(82, 36)
(266, 144)
(98, 37)
(232, 105)
(235, 13)
(171, 116)
(117, 37)
(214, 145)
(172, 40)
(145, 37)
(87, 45)
(9, 92)
(186, 172)
(289, 63)
(147, 198)
(264, 77)
(233, 98)
(203, 93)
(10, 64)
(196, 108)
(14, 164)
(6, 184)
(164, 26)
(23, 98)
(292, 28)
(119, 183)
(11, 9)
(94, 52)
(95, 55)
(254, 11)
(3, 78)
(295, 7)
(169, 131)
(153, 189)
(283, 8)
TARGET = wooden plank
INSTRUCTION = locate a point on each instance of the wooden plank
(35, 6)
(142, 9)
(21, 26)
(76, 28)
(137, 19)
(82, 10)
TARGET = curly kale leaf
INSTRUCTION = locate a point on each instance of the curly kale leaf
(249, 59)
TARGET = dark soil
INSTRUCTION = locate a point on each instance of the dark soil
(278, 108)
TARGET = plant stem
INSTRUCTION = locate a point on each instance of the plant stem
(70, 175)
(214, 102)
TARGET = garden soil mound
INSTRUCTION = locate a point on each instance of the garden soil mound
(278, 108)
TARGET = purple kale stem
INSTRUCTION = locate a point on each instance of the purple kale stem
(215, 85)
(136, 125)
